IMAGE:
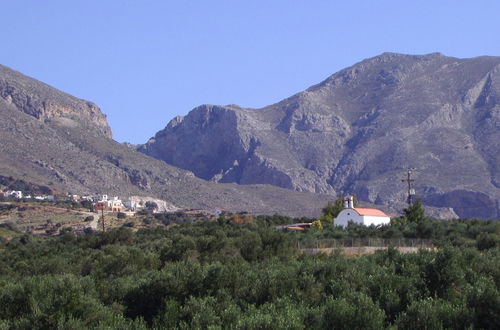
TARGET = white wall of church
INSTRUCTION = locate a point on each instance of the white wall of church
(371, 220)
(345, 216)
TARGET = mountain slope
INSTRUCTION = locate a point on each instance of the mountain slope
(55, 140)
(46, 103)
(357, 132)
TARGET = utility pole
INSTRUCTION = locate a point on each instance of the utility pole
(409, 181)
(102, 217)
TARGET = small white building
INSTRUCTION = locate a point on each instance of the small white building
(358, 215)
(116, 204)
(16, 194)
(132, 205)
(74, 198)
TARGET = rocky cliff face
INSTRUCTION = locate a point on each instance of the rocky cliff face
(60, 143)
(357, 132)
(46, 103)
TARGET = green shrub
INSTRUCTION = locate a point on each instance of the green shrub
(487, 241)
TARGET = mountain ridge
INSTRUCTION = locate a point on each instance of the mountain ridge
(42, 101)
(62, 143)
(357, 131)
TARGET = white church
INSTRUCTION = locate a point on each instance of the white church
(362, 216)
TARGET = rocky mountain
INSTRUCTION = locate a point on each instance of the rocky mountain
(46, 103)
(61, 143)
(357, 132)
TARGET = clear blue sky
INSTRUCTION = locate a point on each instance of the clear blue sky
(144, 62)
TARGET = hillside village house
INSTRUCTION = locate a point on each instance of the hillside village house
(113, 205)
(132, 205)
(102, 202)
(15, 194)
(45, 198)
(362, 216)
(100, 198)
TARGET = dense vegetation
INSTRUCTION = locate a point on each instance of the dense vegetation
(250, 276)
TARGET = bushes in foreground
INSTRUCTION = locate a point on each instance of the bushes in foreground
(223, 275)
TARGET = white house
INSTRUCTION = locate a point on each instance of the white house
(74, 198)
(116, 204)
(16, 194)
(362, 216)
(132, 205)
(113, 204)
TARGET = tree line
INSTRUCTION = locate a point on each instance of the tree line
(220, 274)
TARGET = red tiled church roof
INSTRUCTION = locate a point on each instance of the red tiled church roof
(370, 212)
